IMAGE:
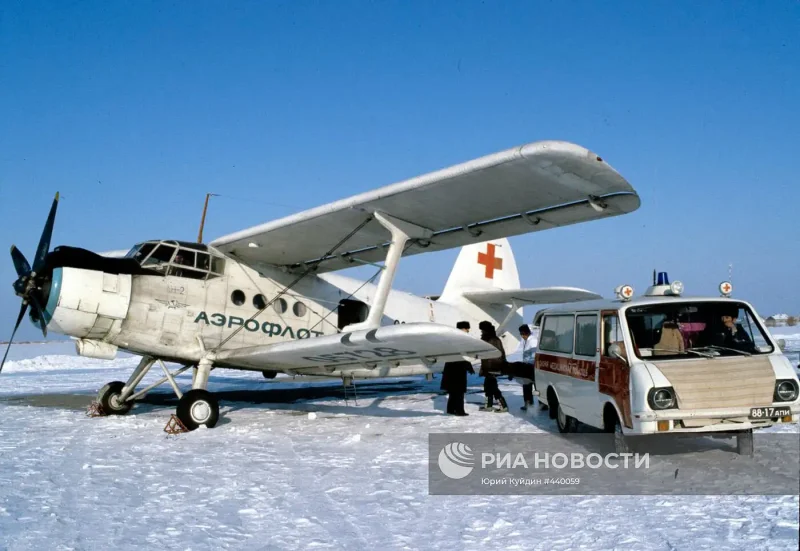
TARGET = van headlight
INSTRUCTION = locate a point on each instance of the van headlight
(662, 398)
(785, 390)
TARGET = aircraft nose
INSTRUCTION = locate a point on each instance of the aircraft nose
(87, 303)
(50, 293)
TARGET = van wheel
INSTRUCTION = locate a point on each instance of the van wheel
(565, 422)
(621, 444)
(744, 443)
(552, 403)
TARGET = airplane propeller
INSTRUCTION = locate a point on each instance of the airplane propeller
(30, 280)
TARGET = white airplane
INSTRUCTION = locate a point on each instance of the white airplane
(268, 298)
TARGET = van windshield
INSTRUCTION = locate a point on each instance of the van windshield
(709, 329)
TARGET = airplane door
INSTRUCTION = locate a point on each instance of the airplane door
(351, 311)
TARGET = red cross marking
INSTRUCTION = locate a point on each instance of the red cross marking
(726, 288)
(627, 291)
(489, 260)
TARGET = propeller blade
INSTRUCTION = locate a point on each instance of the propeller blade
(36, 305)
(44, 241)
(20, 262)
(19, 319)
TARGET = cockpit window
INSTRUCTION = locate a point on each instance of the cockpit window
(179, 259)
(139, 252)
(184, 258)
(202, 261)
(218, 265)
(162, 255)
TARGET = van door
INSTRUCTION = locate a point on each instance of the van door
(613, 378)
(586, 359)
(554, 359)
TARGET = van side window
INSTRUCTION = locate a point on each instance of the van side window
(586, 335)
(611, 333)
(558, 334)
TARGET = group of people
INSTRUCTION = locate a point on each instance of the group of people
(454, 375)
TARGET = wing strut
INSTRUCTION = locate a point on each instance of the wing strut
(401, 232)
(503, 327)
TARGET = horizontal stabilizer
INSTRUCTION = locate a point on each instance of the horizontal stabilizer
(543, 295)
(385, 347)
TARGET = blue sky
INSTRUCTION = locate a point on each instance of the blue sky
(134, 110)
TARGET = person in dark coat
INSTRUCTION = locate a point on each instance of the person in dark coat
(528, 357)
(492, 366)
(454, 380)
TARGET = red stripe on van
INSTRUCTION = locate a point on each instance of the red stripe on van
(579, 369)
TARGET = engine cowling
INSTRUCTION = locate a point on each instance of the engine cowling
(87, 304)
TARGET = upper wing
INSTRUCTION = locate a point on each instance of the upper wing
(529, 188)
(388, 346)
(545, 295)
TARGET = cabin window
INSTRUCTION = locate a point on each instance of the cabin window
(260, 302)
(280, 306)
(612, 334)
(299, 309)
(586, 335)
(237, 297)
(558, 334)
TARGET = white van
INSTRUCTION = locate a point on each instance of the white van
(663, 363)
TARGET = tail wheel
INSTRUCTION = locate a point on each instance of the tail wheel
(198, 407)
(109, 399)
(565, 422)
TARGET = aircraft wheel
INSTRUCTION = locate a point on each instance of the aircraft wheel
(109, 399)
(269, 374)
(565, 422)
(198, 407)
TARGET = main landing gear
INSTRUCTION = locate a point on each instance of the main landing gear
(196, 407)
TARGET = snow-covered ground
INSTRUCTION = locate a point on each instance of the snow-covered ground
(272, 475)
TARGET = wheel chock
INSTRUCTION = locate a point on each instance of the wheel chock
(95, 410)
(174, 425)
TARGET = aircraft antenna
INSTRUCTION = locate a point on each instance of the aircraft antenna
(203, 219)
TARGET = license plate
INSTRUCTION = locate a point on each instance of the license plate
(769, 412)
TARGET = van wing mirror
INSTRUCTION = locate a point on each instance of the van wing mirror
(615, 351)
(782, 345)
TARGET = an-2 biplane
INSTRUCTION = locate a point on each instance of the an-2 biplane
(269, 299)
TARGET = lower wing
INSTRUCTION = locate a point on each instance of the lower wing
(387, 347)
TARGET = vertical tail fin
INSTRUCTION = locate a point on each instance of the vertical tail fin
(481, 266)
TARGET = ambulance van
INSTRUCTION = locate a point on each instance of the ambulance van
(663, 363)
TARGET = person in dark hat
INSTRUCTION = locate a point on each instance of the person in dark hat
(491, 367)
(454, 380)
(732, 334)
